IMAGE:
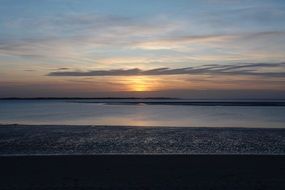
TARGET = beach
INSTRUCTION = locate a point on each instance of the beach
(143, 172)
(125, 157)
(88, 139)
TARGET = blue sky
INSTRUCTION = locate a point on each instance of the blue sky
(58, 47)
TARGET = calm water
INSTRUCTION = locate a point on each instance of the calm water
(114, 112)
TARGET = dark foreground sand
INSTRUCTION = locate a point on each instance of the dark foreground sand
(143, 172)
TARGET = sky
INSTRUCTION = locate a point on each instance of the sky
(129, 48)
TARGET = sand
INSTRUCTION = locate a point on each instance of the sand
(113, 157)
(56, 139)
(143, 172)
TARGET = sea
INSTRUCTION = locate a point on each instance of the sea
(145, 112)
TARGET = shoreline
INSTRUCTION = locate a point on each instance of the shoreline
(137, 126)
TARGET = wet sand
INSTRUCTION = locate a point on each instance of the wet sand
(68, 139)
(143, 172)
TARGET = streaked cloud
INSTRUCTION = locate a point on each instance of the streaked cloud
(103, 50)
(177, 42)
(252, 69)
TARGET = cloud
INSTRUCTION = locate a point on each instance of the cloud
(75, 23)
(77, 37)
(176, 42)
(247, 16)
(252, 69)
(63, 68)
(83, 49)
(95, 39)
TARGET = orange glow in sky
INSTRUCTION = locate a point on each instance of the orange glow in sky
(140, 83)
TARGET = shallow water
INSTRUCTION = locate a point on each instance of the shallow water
(118, 112)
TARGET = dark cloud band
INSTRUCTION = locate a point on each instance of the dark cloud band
(236, 69)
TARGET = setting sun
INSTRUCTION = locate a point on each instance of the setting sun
(141, 83)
